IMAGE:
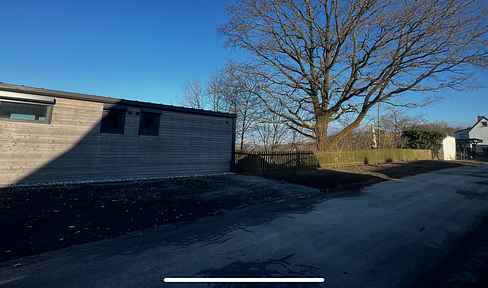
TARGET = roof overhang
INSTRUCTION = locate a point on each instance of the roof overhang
(469, 141)
(106, 100)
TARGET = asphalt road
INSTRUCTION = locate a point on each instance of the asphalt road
(386, 235)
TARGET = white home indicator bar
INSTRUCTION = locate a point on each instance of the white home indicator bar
(233, 280)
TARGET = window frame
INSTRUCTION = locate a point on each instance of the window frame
(117, 110)
(149, 113)
(47, 102)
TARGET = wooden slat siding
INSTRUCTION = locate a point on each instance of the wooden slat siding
(100, 166)
(34, 145)
(72, 148)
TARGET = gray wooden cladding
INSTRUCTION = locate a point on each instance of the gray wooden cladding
(72, 148)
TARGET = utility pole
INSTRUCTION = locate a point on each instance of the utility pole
(373, 130)
(379, 129)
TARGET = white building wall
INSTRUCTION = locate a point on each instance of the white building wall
(479, 131)
(449, 148)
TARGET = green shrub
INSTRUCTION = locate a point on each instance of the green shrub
(418, 139)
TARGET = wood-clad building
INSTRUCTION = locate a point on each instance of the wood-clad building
(49, 136)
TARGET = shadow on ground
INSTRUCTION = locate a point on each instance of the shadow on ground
(335, 179)
(41, 219)
(464, 266)
(273, 268)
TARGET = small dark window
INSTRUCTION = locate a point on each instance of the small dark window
(113, 121)
(149, 124)
(484, 124)
(26, 111)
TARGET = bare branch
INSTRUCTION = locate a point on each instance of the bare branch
(323, 59)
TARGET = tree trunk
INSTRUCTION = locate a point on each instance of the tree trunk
(320, 130)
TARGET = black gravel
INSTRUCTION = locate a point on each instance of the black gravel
(41, 219)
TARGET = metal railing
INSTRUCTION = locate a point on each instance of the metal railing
(276, 161)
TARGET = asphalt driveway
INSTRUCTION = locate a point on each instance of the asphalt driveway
(387, 235)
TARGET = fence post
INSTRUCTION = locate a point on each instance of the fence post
(257, 163)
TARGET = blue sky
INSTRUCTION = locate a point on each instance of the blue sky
(139, 50)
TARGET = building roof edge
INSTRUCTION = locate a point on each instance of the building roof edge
(109, 100)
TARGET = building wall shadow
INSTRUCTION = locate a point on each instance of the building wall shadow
(71, 148)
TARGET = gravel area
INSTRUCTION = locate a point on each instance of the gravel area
(38, 219)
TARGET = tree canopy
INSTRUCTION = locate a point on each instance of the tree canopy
(319, 60)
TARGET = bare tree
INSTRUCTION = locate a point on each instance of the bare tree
(217, 90)
(243, 100)
(323, 59)
(299, 142)
(271, 132)
(359, 138)
(193, 95)
(439, 126)
(394, 122)
(227, 91)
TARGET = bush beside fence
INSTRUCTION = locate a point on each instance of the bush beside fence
(265, 162)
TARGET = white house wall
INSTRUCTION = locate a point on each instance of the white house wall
(480, 132)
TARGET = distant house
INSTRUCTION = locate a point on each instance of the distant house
(54, 136)
(474, 140)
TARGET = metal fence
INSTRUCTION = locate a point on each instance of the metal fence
(266, 161)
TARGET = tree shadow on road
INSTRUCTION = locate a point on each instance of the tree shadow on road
(357, 177)
(272, 268)
(325, 179)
